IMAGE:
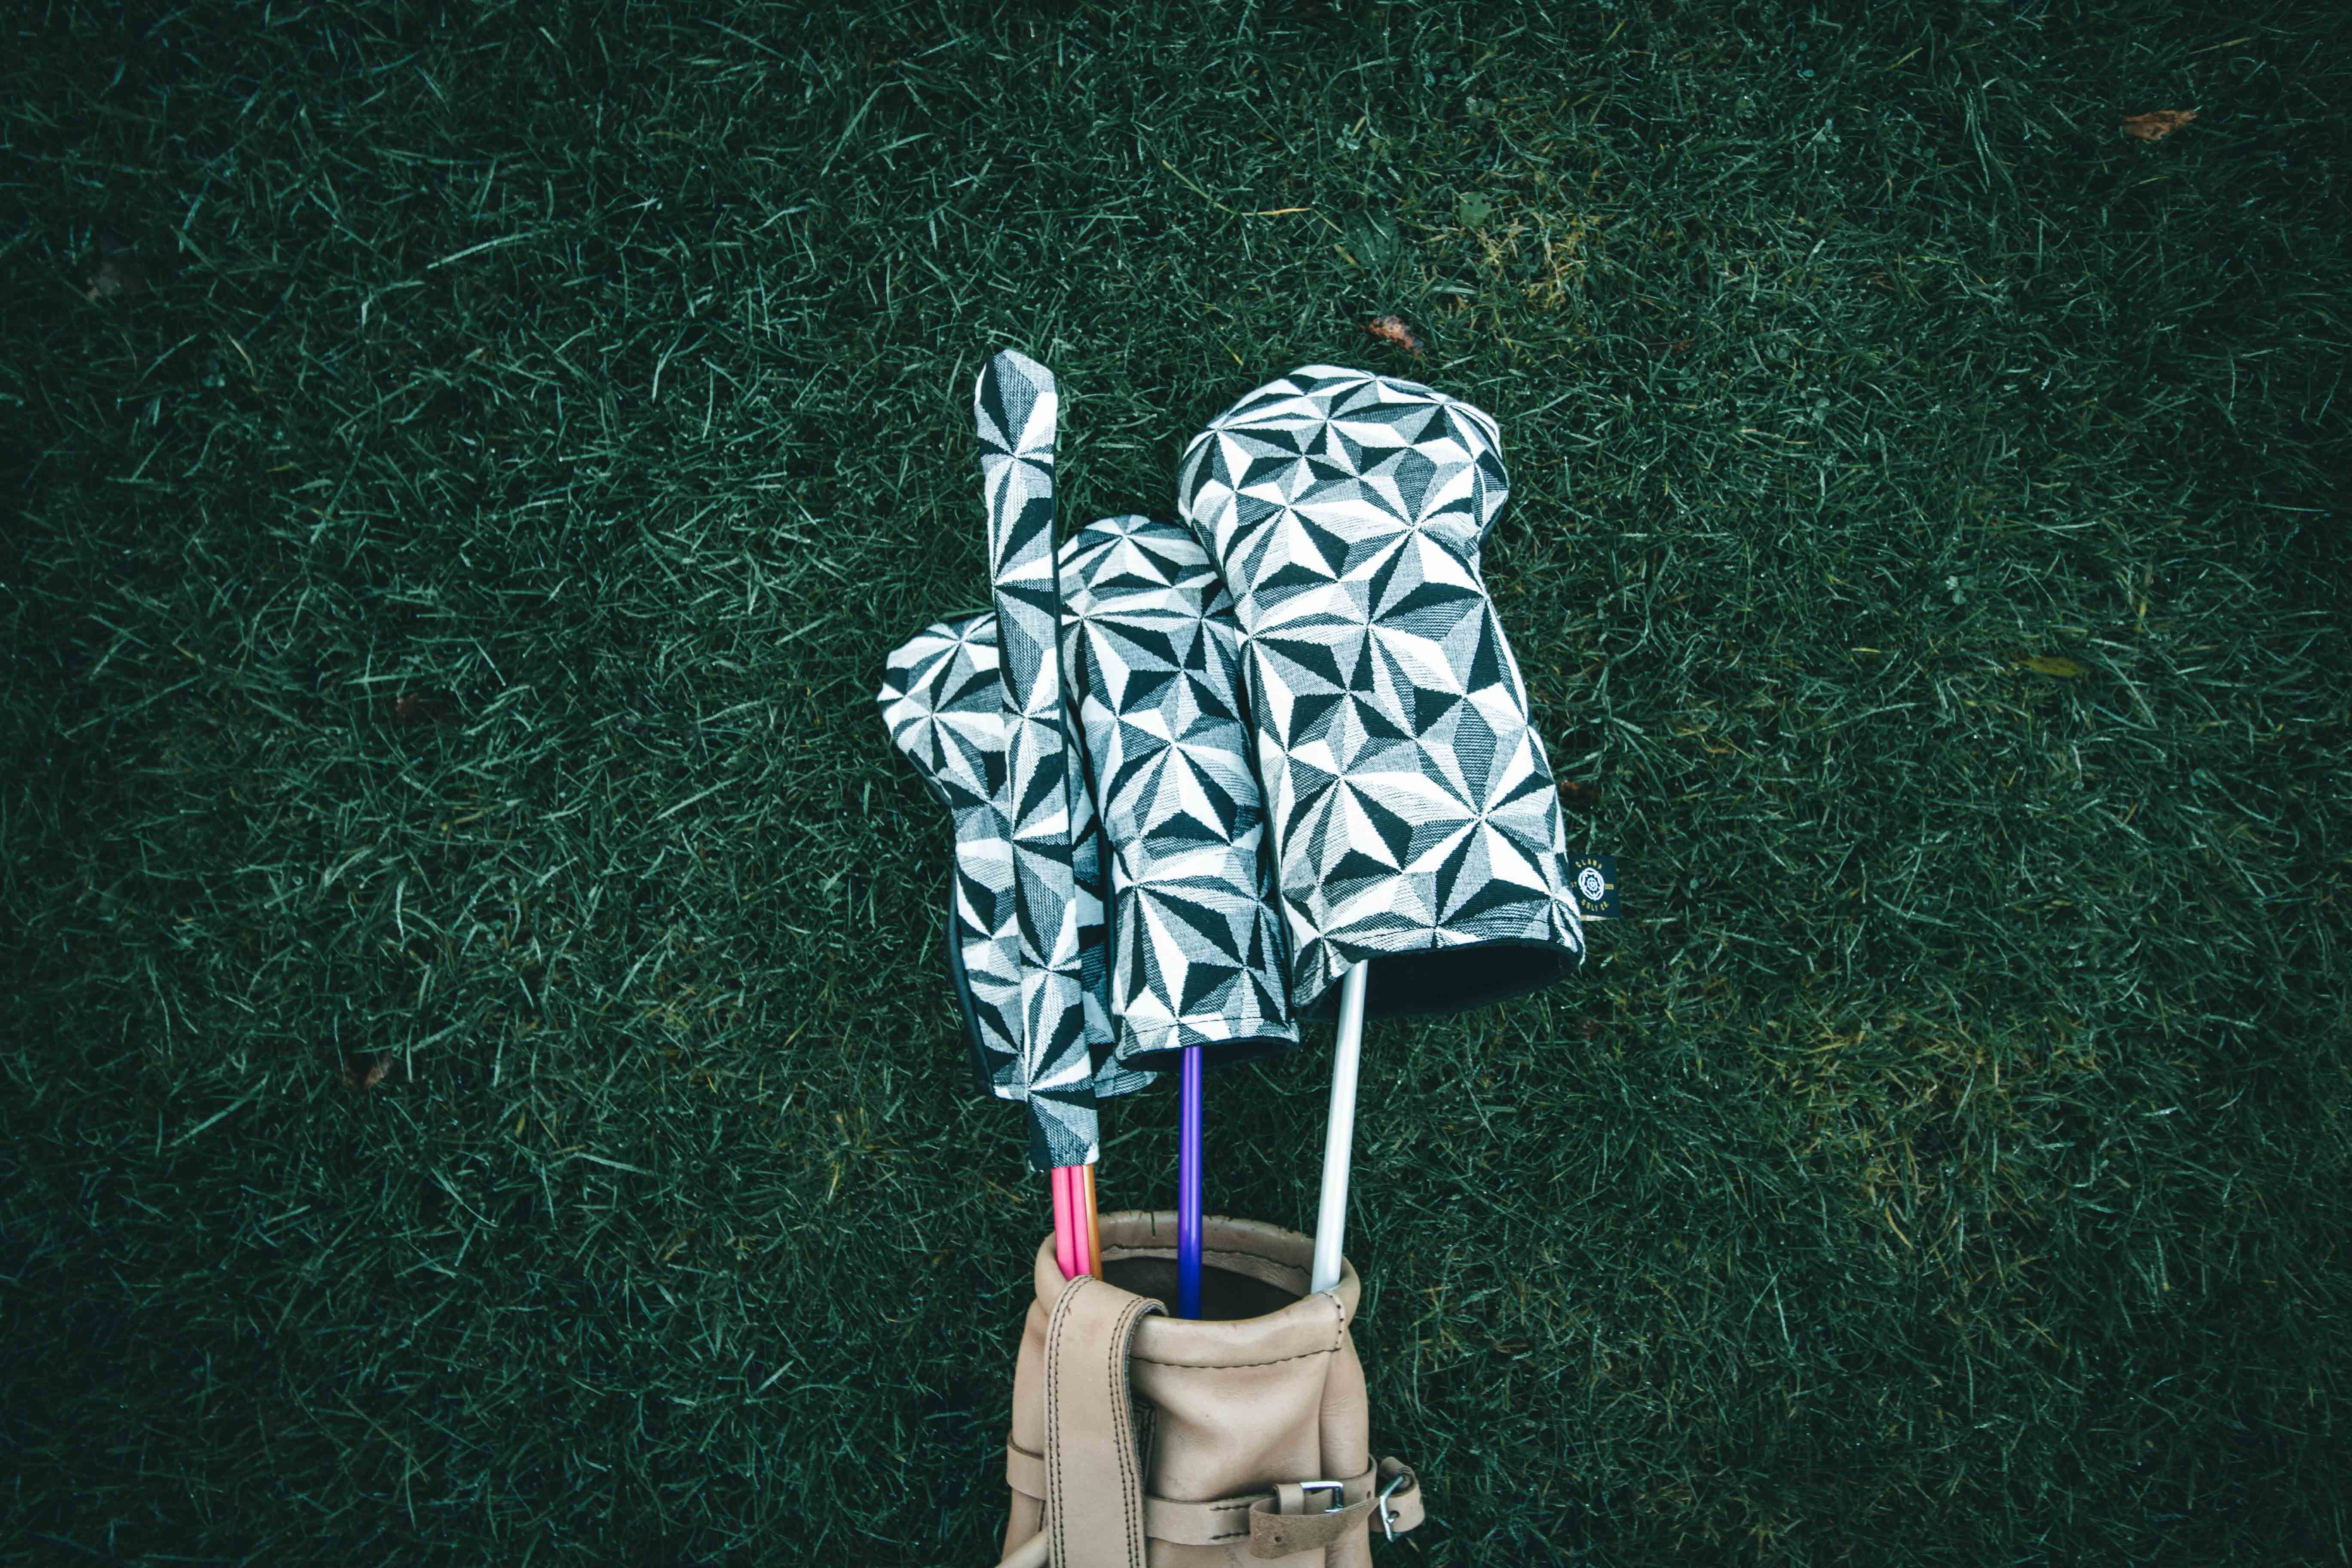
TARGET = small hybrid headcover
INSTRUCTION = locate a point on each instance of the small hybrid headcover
(941, 700)
(1026, 937)
(1413, 814)
(1017, 409)
(1153, 656)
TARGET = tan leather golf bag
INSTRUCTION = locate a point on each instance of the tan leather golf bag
(1143, 1440)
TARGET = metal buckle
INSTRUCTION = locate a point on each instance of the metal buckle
(1339, 1489)
(1388, 1517)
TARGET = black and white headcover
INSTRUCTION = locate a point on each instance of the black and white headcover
(1123, 739)
(942, 701)
(1414, 818)
(1155, 660)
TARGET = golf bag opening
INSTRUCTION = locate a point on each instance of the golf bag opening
(1227, 1295)
(1444, 980)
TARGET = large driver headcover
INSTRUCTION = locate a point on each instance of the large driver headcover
(1413, 814)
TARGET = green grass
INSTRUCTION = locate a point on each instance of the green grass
(479, 1082)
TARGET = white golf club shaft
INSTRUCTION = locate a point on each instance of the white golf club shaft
(1339, 1133)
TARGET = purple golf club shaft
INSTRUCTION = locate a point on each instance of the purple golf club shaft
(1187, 1188)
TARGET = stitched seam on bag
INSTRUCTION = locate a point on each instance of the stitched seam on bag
(1052, 1415)
(1139, 1530)
(1113, 1364)
(1245, 1505)
(1242, 1505)
(1230, 1366)
(1131, 1481)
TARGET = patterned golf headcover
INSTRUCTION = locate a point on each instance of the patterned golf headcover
(1016, 406)
(942, 702)
(1414, 818)
(1154, 657)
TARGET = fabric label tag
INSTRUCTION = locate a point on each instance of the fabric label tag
(1594, 878)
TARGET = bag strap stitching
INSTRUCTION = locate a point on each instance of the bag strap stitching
(1231, 1365)
(1054, 1412)
(1122, 1431)
(1142, 1308)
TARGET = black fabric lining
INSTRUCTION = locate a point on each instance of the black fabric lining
(983, 1082)
(1226, 1296)
(1441, 980)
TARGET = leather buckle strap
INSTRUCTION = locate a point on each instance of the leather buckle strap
(1387, 1515)
(1284, 1525)
(1400, 1499)
(1338, 1490)
(1293, 1519)
(1294, 1516)
(1227, 1521)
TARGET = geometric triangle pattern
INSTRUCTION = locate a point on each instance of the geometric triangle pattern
(1412, 812)
(1016, 405)
(1153, 656)
(942, 702)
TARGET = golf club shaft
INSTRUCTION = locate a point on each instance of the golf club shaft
(1090, 1228)
(1187, 1188)
(1339, 1133)
(1065, 1243)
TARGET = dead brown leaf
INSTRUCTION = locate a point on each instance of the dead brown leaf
(2157, 123)
(364, 1072)
(1576, 792)
(2055, 665)
(1393, 330)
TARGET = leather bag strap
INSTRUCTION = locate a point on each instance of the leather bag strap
(1289, 1519)
(1094, 1460)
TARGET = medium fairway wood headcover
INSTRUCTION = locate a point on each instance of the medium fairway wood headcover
(1154, 654)
(1413, 814)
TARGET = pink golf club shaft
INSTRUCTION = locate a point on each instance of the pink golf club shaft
(1065, 1248)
